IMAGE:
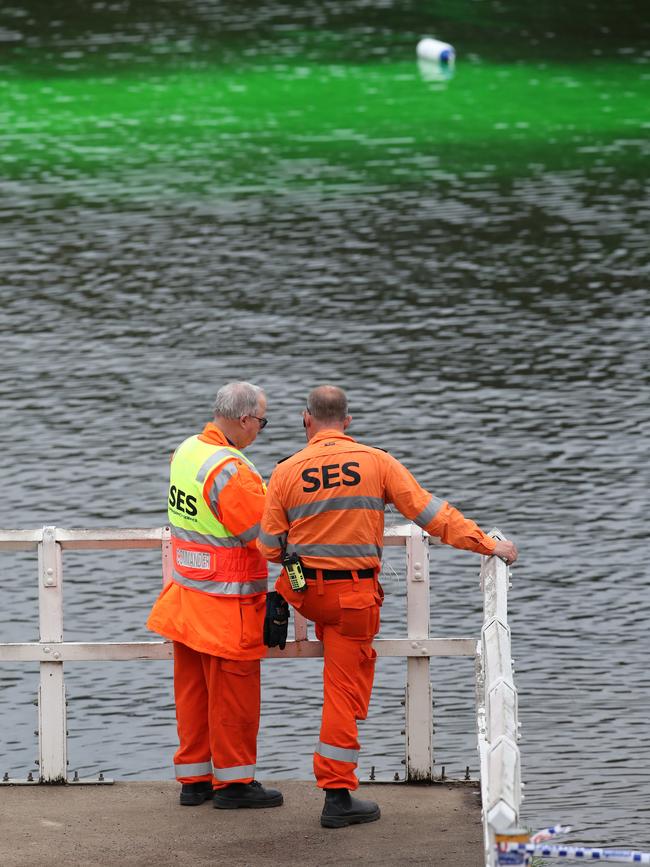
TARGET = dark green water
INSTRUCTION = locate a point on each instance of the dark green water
(196, 192)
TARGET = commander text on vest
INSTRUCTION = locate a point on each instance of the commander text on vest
(214, 608)
(325, 504)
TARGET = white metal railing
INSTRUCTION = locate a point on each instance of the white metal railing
(52, 651)
(497, 717)
(495, 690)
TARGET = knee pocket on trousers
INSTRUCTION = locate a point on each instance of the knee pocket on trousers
(359, 614)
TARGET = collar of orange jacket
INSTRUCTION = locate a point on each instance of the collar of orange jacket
(214, 435)
(328, 434)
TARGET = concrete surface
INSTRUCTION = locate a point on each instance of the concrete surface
(138, 824)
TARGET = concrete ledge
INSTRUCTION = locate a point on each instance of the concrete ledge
(142, 825)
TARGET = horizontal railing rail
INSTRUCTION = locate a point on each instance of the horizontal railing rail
(153, 537)
(98, 651)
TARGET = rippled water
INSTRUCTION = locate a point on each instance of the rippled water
(281, 194)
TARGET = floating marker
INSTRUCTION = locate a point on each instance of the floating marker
(436, 51)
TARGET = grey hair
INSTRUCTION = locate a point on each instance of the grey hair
(237, 399)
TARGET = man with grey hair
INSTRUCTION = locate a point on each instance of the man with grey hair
(214, 607)
(237, 400)
(324, 519)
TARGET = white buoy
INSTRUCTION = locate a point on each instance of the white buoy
(435, 50)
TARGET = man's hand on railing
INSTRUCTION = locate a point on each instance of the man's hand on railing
(506, 551)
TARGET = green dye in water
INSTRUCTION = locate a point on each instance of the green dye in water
(277, 120)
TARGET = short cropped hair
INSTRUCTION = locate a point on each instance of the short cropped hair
(328, 403)
(236, 399)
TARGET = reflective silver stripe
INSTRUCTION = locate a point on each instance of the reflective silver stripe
(220, 483)
(335, 504)
(219, 456)
(214, 459)
(249, 534)
(195, 770)
(224, 775)
(327, 751)
(431, 510)
(273, 541)
(203, 539)
(336, 550)
(223, 588)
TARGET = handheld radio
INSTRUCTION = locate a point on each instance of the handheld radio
(292, 564)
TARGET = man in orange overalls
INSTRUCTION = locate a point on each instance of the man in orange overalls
(215, 605)
(326, 504)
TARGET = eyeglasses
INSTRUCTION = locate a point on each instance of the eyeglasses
(263, 421)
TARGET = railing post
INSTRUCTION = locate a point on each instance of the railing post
(167, 561)
(51, 693)
(419, 708)
(497, 709)
(299, 627)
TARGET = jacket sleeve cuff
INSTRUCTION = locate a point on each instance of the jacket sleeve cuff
(487, 545)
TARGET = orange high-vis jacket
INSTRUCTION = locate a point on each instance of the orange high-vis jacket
(226, 626)
(326, 504)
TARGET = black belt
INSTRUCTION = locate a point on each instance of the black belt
(338, 574)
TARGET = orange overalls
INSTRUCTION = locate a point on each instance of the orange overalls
(213, 610)
(346, 614)
(326, 503)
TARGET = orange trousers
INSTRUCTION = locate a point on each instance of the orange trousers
(346, 614)
(217, 716)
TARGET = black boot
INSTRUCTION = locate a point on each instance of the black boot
(246, 795)
(193, 794)
(342, 809)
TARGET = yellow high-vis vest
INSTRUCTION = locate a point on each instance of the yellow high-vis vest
(207, 557)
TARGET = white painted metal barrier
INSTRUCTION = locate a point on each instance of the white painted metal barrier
(498, 726)
(51, 652)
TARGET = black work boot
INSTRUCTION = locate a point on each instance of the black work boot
(246, 795)
(342, 809)
(193, 794)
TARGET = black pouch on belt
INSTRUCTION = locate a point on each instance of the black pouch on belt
(276, 621)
